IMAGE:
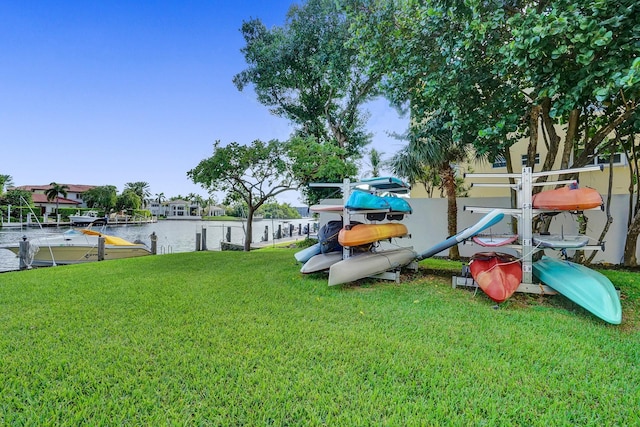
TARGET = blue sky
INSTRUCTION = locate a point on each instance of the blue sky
(110, 92)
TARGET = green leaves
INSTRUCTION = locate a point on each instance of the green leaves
(306, 72)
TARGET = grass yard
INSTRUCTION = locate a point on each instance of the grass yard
(233, 338)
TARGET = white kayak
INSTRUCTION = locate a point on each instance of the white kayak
(494, 240)
(321, 262)
(369, 264)
(560, 241)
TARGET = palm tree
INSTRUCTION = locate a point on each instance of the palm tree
(432, 146)
(54, 191)
(197, 199)
(140, 188)
(5, 181)
(375, 161)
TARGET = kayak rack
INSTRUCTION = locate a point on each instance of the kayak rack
(523, 184)
(384, 185)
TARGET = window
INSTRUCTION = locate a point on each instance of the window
(500, 162)
(618, 160)
(536, 161)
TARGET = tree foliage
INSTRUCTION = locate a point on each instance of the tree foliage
(54, 192)
(251, 174)
(278, 210)
(104, 197)
(433, 148)
(315, 162)
(507, 70)
(16, 198)
(493, 66)
(305, 72)
(140, 188)
(5, 181)
(129, 199)
(375, 162)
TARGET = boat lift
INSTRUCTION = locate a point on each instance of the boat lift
(524, 183)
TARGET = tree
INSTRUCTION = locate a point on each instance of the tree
(140, 188)
(104, 197)
(313, 162)
(375, 162)
(16, 198)
(128, 200)
(305, 72)
(198, 200)
(5, 181)
(432, 146)
(278, 210)
(247, 173)
(504, 70)
(451, 102)
(54, 191)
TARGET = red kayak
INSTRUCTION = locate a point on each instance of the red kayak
(497, 274)
(569, 198)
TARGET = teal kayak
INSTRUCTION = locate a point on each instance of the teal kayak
(587, 288)
(398, 204)
(363, 200)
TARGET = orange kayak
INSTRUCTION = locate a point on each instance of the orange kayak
(497, 274)
(568, 199)
(362, 234)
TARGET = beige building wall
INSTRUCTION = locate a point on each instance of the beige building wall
(597, 180)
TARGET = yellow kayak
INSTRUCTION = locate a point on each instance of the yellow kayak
(361, 234)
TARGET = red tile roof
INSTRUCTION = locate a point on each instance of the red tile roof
(72, 188)
(42, 198)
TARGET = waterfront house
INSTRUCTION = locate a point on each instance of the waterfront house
(73, 199)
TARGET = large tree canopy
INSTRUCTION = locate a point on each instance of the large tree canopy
(305, 72)
(506, 70)
(501, 69)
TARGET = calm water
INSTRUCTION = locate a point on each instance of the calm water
(173, 236)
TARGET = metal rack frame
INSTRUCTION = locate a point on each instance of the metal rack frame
(525, 211)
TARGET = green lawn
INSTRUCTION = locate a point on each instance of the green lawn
(232, 338)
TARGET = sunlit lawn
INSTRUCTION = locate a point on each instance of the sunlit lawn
(244, 339)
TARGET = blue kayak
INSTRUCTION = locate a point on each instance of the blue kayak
(490, 219)
(363, 200)
(587, 288)
(306, 254)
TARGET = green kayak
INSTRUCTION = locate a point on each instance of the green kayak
(587, 288)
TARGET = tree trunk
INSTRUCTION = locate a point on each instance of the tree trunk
(249, 233)
(605, 229)
(534, 117)
(513, 194)
(631, 242)
(449, 181)
(553, 143)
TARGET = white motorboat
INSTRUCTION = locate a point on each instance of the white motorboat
(85, 218)
(77, 247)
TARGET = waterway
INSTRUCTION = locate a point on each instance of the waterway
(173, 235)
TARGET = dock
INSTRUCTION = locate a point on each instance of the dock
(32, 224)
